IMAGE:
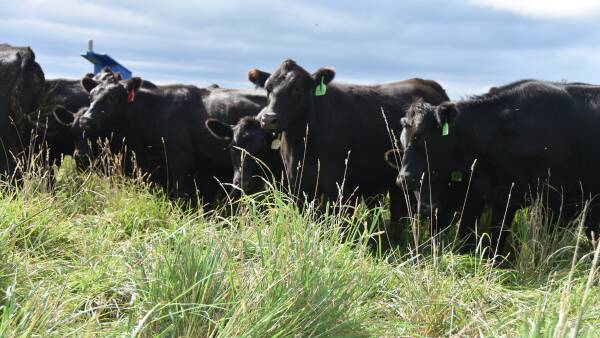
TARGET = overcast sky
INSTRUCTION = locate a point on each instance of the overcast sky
(466, 45)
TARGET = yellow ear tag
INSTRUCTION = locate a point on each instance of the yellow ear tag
(276, 144)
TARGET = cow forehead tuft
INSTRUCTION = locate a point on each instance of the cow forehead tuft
(253, 73)
(289, 63)
(104, 88)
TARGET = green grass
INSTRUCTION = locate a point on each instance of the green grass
(108, 256)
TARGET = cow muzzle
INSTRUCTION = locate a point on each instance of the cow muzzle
(407, 179)
(269, 121)
(86, 122)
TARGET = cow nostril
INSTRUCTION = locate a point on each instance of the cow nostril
(407, 178)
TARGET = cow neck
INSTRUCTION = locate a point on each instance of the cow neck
(294, 138)
(292, 141)
(132, 108)
(468, 149)
(292, 149)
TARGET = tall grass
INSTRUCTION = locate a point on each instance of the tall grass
(99, 254)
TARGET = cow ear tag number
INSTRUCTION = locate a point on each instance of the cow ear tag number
(445, 129)
(456, 176)
(321, 88)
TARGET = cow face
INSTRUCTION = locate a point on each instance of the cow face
(75, 134)
(248, 144)
(290, 90)
(429, 146)
(108, 100)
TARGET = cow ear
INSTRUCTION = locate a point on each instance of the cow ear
(88, 83)
(445, 113)
(258, 77)
(133, 84)
(325, 74)
(63, 116)
(393, 157)
(219, 129)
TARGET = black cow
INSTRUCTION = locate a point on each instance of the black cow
(334, 136)
(526, 137)
(21, 90)
(164, 127)
(53, 121)
(51, 126)
(254, 152)
(62, 133)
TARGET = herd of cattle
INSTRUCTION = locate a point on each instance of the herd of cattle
(324, 139)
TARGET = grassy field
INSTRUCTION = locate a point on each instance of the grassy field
(107, 256)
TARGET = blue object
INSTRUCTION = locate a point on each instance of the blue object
(103, 60)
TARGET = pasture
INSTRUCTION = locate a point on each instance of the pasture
(299, 169)
(99, 254)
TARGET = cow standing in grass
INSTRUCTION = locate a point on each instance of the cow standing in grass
(57, 122)
(254, 152)
(165, 128)
(334, 136)
(529, 137)
(21, 90)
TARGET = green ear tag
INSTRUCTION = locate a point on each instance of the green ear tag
(445, 129)
(321, 88)
(456, 176)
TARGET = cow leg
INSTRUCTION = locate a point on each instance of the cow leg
(502, 217)
(398, 213)
(182, 189)
(209, 193)
(467, 227)
(592, 230)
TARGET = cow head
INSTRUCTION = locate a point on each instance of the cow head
(74, 134)
(106, 74)
(290, 91)
(248, 143)
(108, 100)
(429, 162)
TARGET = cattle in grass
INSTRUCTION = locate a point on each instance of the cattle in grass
(334, 135)
(254, 152)
(164, 127)
(56, 122)
(21, 90)
(528, 138)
